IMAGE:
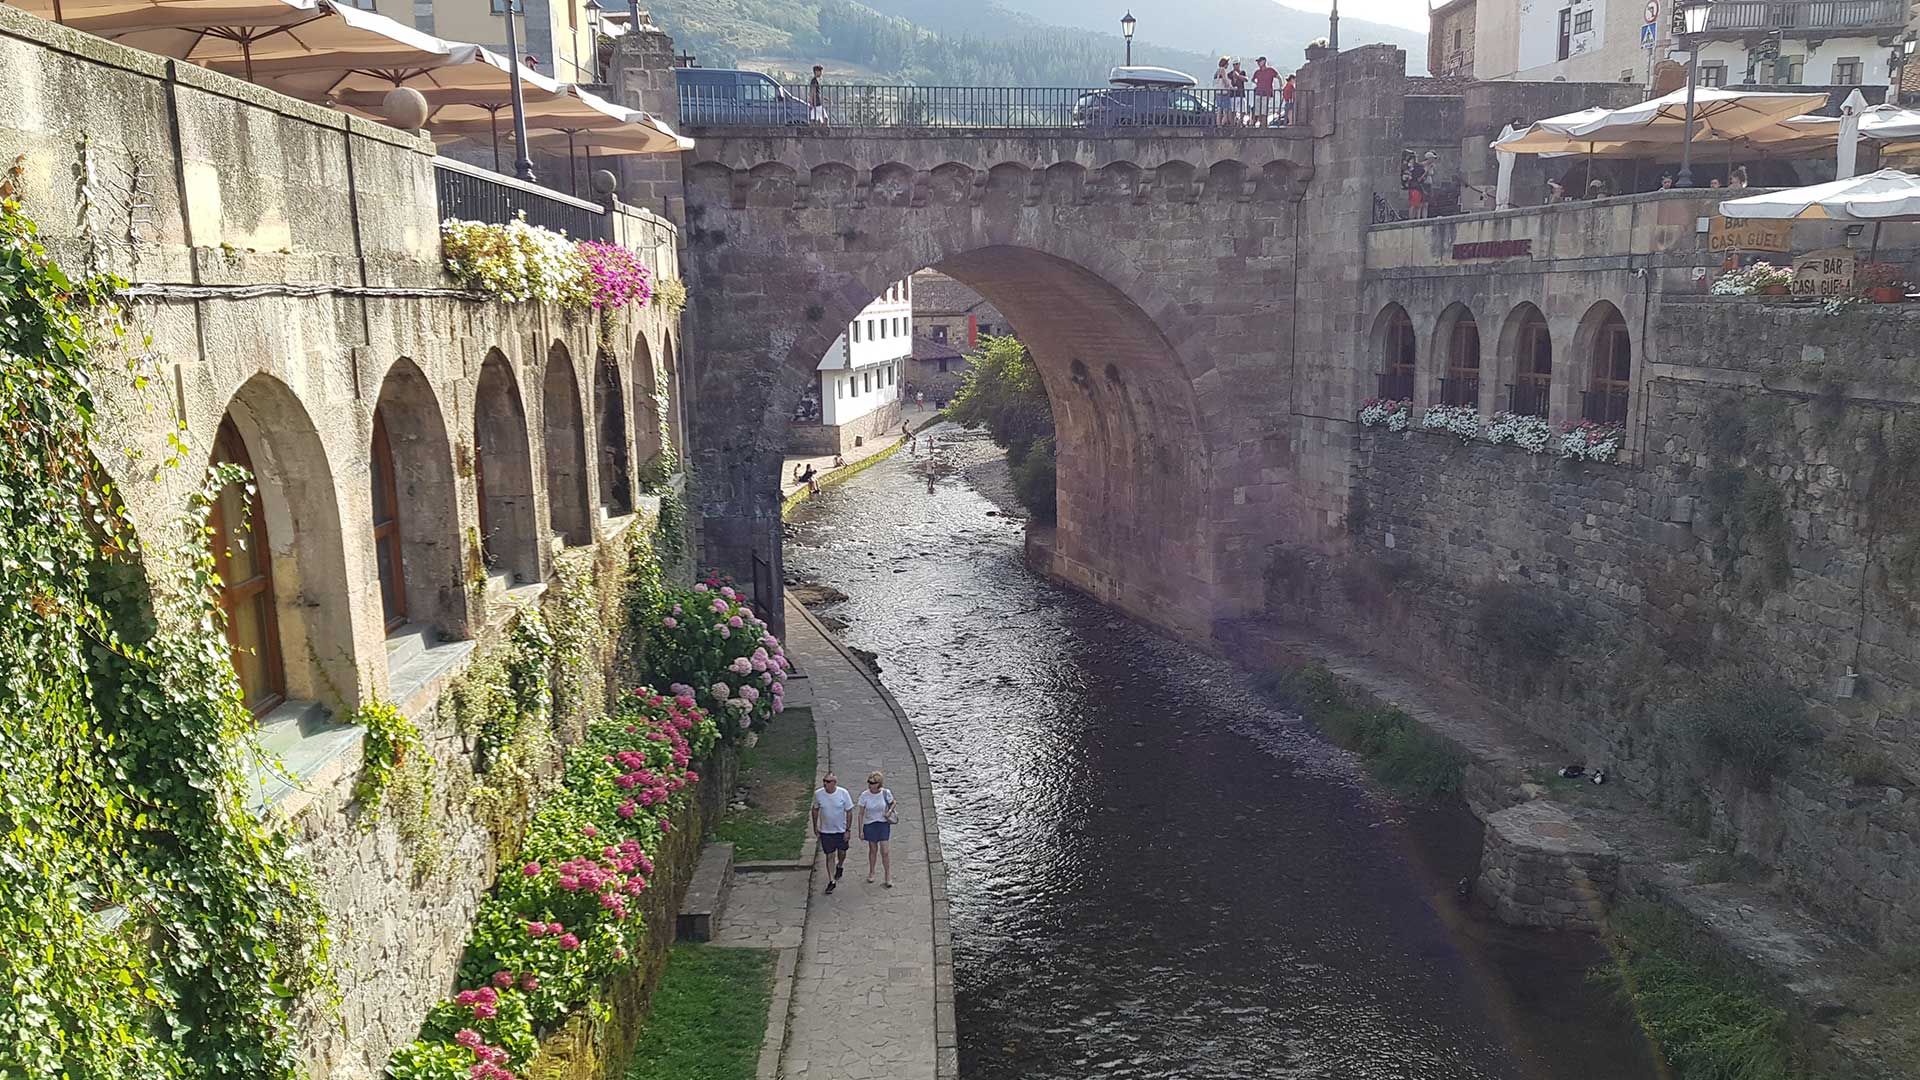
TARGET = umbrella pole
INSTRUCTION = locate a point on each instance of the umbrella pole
(59, 16)
(246, 53)
(573, 167)
(493, 118)
(1589, 190)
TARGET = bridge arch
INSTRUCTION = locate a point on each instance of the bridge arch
(1154, 290)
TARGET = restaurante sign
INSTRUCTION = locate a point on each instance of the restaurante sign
(1494, 249)
(1748, 234)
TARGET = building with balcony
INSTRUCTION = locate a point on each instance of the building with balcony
(1450, 37)
(1820, 42)
(862, 378)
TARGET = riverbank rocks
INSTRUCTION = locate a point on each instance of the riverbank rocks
(1540, 868)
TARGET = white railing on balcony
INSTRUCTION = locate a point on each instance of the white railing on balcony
(1806, 15)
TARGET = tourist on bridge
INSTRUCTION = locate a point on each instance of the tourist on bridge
(876, 816)
(1223, 91)
(816, 103)
(1237, 92)
(830, 806)
(1286, 102)
(1263, 79)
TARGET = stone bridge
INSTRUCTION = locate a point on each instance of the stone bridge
(1163, 281)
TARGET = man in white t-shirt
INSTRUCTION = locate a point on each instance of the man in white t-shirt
(831, 804)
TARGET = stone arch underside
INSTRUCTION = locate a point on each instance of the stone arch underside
(1162, 331)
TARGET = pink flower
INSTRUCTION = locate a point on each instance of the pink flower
(736, 622)
(727, 592)
(555, 928)
(720, 606)
(590, 831)
(669, 622)
(529, 981)
(569, 942)
(469, 1038)
(534, 929)
(532, 869)
(626, 810)
(503, 979)
(701, 587)
(725, 633)
(484, 1011)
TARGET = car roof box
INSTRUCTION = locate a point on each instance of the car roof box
(1148, 76)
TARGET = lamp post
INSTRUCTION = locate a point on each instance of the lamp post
(1126, 31)
(1694, 20)
(594, 23)
(522, 164)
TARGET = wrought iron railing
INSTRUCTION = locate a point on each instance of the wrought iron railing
(1527, 399)
(1099, 109)
(1460, 391)
(1604, 406)
(471, 193)
(1441, 201)
(1763, 15)
(1396, 385)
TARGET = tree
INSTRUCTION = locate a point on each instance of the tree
(1003, 393)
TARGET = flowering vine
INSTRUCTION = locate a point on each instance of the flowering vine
(520, 263)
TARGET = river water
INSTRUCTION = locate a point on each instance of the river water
(1152, 872)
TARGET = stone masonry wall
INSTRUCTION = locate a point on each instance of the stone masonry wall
(1768, 523)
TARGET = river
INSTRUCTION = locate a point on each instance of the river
(1152, 872)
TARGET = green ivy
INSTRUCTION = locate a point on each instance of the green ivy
(150, 924)
(573, 620)
(391, 740)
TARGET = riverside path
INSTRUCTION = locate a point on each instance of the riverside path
(873, 987)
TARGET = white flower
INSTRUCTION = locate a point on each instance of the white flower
(1529, 433)
(1462, 421)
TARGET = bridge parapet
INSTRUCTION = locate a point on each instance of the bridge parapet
(782, 167)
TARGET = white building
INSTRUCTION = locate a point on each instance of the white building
(1821, 42)
(861, 378)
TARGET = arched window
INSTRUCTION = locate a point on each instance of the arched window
(1460, 335)
(1531, 347)
(1394, 346)
(244, 560)
(646, 407)
(1610, 365)
(566, 448)
(386, 528)
(503, 474)
(610, 417)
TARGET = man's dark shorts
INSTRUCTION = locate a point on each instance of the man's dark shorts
(831, 842)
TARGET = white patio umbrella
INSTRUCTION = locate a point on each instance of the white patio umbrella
(311, 55)
(574, 114)
(473, 88)
(1637, 130)
(178, 27)
(1894, 128)
(1849, 136)
(1885, 195)
(1503, 186)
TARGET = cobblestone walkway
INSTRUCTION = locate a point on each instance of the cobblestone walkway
(866, 1001)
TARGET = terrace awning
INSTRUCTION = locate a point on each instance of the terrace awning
(1886, 195)
(1657, 127)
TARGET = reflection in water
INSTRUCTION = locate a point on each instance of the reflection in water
(1153, 874)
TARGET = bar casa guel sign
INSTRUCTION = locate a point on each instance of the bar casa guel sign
(1494, 249)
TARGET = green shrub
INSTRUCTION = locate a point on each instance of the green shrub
(1034, 480)
(1747, 718)
(1873, 768)
(1396, 748)
(1710, 1021)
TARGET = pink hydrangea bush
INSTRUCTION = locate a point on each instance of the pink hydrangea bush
(707, 643)
(616, 276)
(567, 914)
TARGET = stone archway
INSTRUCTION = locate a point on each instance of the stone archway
(425, 536)
(566, 449)
(1160, 319)
(503, 474)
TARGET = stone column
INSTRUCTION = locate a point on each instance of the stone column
(640, 76)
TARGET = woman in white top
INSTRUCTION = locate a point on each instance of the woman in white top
(874, 809)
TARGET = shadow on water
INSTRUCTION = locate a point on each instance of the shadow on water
(1153, 872)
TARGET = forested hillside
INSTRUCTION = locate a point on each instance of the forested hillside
(928, 42)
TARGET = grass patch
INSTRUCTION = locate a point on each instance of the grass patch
(1397, 749)
(778, 774)
(1711, 1021)
(1747, 717)
(709, 1016)
(1718, 866)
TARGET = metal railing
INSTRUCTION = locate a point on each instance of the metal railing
(1101, 109)
(1761, 15)
(1527, 399)
(1442, 201)
(1604, 406)
(1460, 391)
(471, 193)
(1396, 385)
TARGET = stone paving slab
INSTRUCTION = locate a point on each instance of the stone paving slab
(873, 991)
(765, 910)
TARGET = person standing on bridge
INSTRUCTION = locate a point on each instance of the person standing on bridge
(876, 816)
(1264, 77)
(1286, 103)
(816, 101)
(1223, 91)
(831, 804)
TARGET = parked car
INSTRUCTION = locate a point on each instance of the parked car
(710, 96)
(1144, 97)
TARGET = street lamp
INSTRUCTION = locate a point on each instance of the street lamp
(1694, 20)
(522, 164)
(594, 27)
(1126, 31)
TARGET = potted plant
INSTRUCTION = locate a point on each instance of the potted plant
(1318, 49)
(1770, 280)
(1883, 283)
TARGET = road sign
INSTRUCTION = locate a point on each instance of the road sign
(1647, 34)
(1653, 11)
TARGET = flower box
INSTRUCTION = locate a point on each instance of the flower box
(1394, 414)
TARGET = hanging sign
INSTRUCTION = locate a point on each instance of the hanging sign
(1824, 273)
(1748, 234)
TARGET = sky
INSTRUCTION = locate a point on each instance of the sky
(1411, 14)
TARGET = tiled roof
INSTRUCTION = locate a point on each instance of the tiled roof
(935, 293)
(925, 348)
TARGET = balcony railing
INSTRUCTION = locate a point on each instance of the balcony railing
(1744, 16)
(1604, 406)
(1099, 109)
(471, 193)
(1460, 391)
(1527, 399)
(1396, 385)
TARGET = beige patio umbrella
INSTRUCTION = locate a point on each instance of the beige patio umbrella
(313, 53)
(580, 119)
(1719, 116)
(178, 28)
